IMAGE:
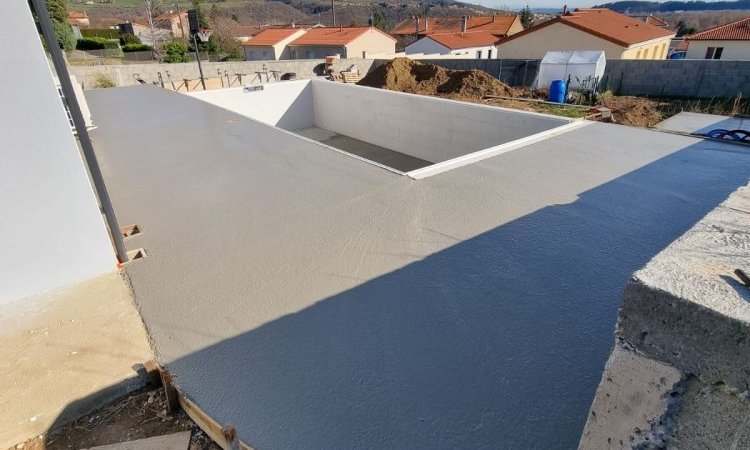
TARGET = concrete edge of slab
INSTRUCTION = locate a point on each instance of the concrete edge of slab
(480, 155)
(682, 318)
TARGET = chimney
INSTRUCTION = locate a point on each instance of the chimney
(426, 24)
(416, 24)
(293, 26)
(493, 17)
(464, 24)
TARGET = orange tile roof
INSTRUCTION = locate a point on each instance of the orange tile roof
(77, 15)
(456, 41)
(499, 25)
(606, 24)
(333, 36)
(245, 30)
(682, 46)
(735, 31)
(271, 36)
(655, 21)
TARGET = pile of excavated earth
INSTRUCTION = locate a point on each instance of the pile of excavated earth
(406, 75)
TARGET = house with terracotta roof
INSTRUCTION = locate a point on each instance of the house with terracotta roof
(244, 32)
(730, 41)
(619, 36)
(346, 42)
(78, 18)
(271, 44)
(495, 24)
(477, 44)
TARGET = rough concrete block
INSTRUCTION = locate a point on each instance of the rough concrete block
(687, 308)
(632, 396)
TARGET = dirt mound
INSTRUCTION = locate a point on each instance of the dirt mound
(406, 75)
(634, 111)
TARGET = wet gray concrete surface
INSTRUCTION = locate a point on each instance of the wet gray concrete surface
(372, 152)
(317, 301)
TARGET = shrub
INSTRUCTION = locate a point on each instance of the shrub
(175, 52)
(136, 48)
(106, 33)
(103, 81)
(129, 39)
(64, 34)
(95, 43)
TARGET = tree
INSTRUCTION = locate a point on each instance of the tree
(58, 13)
(152, 10)
(527, 17)
(378, 19)
(683, 29)
(175, 52)
(223, 39)
(202, 21)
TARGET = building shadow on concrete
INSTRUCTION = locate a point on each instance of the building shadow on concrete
(496, 342)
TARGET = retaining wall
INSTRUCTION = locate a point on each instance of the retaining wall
(123, 75)
(668, 78)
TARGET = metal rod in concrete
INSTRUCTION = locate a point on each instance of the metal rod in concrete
(89, 156)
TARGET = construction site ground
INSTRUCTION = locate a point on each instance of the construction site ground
(406, 75)
(141, 414)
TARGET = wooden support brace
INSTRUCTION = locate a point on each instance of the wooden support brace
(170, 391)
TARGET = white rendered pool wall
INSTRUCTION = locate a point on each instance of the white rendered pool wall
(433, 129)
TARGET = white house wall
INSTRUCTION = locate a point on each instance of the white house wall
(426, 46)
(51, 233)
(733, 50)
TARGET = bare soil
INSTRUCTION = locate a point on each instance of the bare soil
(141, 414)
(405, 75)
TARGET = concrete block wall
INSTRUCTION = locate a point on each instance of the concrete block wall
(677, 78)
(668, 78)
(123, 75)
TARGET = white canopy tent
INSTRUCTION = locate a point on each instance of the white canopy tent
(583, 67)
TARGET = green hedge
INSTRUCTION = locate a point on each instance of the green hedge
(96, 43)
(136, 48)
(106, 33)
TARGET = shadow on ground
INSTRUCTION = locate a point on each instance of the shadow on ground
(496, 342)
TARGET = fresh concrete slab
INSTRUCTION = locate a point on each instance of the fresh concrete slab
(371, 152)
(65, 353)
(315, 300)
(176, 441)
(689, 122)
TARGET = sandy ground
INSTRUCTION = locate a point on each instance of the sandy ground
(66, 352)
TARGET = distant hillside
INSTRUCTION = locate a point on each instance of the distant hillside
(673, 6)
(262, 12)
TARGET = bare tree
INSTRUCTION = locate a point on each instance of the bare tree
(153, 11)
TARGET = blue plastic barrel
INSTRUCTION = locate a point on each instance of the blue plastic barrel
(557, 91)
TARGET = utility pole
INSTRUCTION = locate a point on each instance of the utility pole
(198, 58)
(333, 12)
(182, 27)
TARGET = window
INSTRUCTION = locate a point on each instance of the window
(718, 52)
(265, 56)
(489, 54)
(710, 52)
(309, 54)
(251, 56)
(479, 54)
